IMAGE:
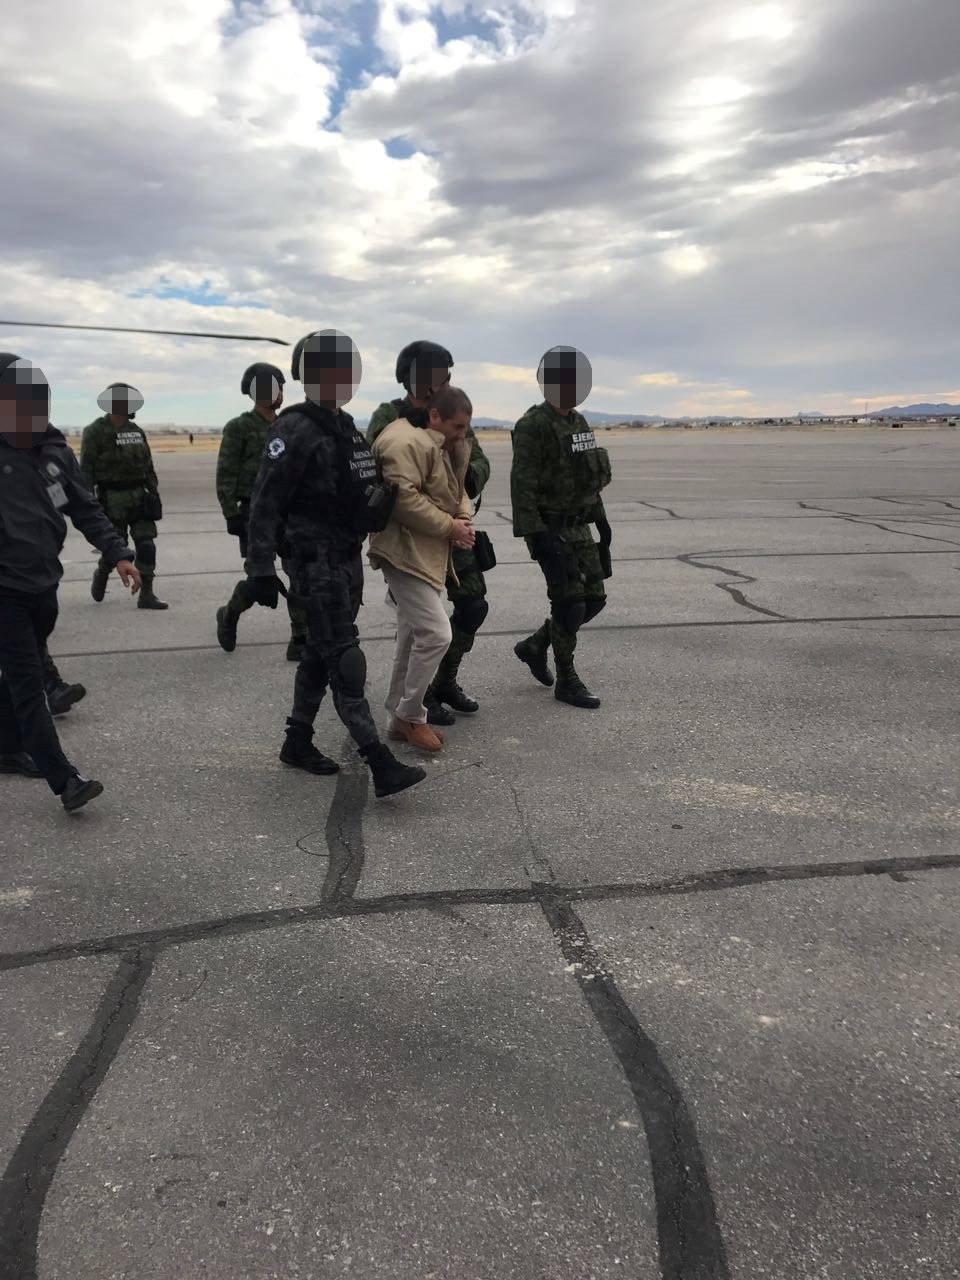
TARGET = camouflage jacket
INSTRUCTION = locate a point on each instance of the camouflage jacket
(238, 462)
(303, 481)
(557, 468)
(478, 469)
(116, 456)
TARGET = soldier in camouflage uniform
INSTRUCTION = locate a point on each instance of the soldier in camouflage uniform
(319, 476)
(117, 464)
(238, 463)
(555, 481)
(423, 367)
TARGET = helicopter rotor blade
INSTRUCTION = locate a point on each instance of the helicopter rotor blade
(173, 333)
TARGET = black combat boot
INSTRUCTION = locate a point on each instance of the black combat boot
(295, 648)
(146, 599)
(226, 629)
(62, 696)
(436, 714)
(389, 775)
(450, 693)
(533, 651)
(571, 689)
(98, 587)
(298, 750)
(19, 762)
(79, 791)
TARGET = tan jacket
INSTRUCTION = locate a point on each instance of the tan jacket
(430, 495)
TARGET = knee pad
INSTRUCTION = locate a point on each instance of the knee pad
(146, 550)
(351, 671)
(593, 607)
(569, 614)
(468, 615)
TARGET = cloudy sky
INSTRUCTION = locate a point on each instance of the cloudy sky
(730, 205)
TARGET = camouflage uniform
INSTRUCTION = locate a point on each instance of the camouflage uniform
(304, 482)
(238, 465)
(467, 591)
(555, 482)
(117, 465)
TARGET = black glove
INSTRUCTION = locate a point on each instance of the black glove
(266, 590)
(603, 551)
(551, 552)
(237, 524)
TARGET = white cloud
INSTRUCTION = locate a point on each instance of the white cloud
(761, 196)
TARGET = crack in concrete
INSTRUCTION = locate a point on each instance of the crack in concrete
(688, 558)
(30, 1171)
(398, 903)
(344, 832)
(688, 1231)
(654, 507)
(851, 517)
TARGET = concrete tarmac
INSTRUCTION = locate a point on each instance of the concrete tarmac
(667, 989)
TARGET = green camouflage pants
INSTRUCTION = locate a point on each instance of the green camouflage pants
(123, 508)
(468, 597)
(584, 583)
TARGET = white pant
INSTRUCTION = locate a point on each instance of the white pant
(423, 637)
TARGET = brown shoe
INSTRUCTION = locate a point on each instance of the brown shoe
(396, 730)
(422, 736)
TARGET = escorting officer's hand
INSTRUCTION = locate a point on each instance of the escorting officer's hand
(266, 590)
(129, 575)
(237, 524)
(462, 534)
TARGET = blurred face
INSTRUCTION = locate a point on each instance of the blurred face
(24, 405)
(452, 429)
(120, 402)
(266, 391)
(565, 378)
(425, 378)
(331, 369)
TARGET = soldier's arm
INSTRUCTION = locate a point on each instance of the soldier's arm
(478, 469)
(524, 479)
(382, 417)
(90, 518)
(275, 485)
(229, 459)
(88, 456)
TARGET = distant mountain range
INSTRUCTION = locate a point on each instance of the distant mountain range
(915, 410)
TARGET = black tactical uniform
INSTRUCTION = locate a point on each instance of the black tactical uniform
(315, 478)
(39, 486)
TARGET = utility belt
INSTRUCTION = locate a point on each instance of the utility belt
(558, 521)
(151, 508)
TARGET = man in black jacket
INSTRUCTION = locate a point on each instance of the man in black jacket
(319, 478)
(40, 484)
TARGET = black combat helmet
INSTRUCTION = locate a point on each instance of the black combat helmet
(420, 351)
(257, 377)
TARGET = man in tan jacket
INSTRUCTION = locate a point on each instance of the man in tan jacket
(432, 515)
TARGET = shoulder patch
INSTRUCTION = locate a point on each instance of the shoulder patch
(276, 448)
